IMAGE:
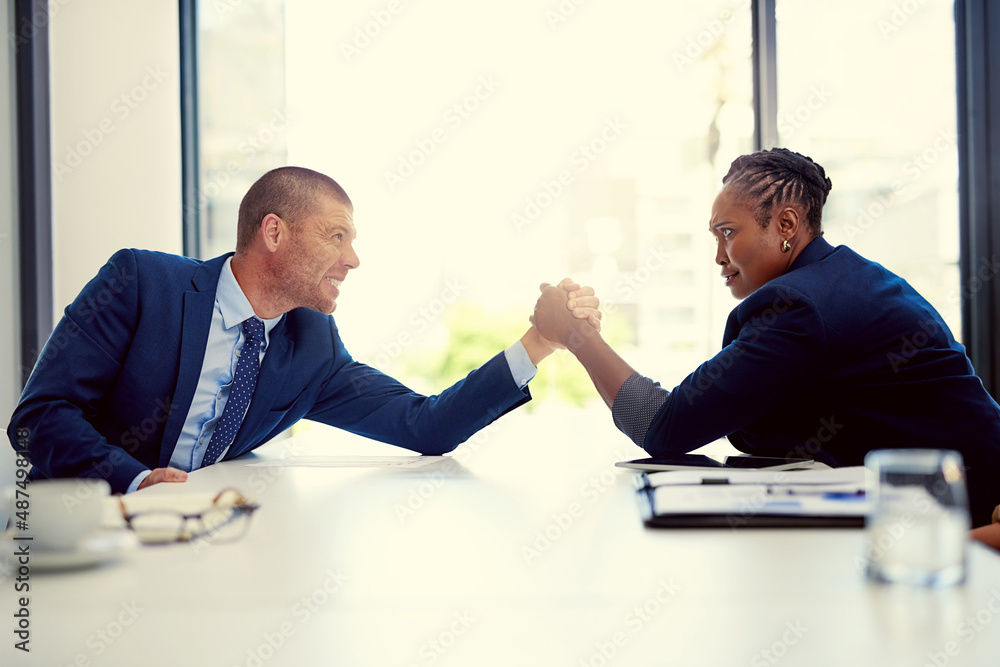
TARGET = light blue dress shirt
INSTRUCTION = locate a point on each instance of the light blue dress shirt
(225, 339)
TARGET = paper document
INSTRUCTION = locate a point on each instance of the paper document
(767, 498)
(740, 500)
(349, 461)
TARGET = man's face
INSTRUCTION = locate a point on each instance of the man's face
(317, 257)
(749, 255)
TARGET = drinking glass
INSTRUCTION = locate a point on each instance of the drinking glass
(918, 522)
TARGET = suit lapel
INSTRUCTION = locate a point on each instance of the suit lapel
(199, 305)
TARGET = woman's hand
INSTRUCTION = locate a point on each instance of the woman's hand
(572, 305)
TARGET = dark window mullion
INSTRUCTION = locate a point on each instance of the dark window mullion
(978, 84)
(190, 153)
(765, 74)
(30, 38)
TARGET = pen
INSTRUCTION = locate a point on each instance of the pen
(858, 494)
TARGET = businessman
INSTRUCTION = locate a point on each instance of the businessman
(165, 364)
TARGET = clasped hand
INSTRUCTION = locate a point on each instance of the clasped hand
(566, 313)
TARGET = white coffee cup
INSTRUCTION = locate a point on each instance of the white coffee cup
(57, 513)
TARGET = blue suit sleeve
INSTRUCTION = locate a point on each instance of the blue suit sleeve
(776, 354)
(80, 360)
(363, 400)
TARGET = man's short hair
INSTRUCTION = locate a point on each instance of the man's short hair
(288, 192)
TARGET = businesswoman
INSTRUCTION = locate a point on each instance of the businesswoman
(829, 355)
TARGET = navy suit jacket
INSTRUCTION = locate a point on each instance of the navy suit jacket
(111, 389)
(833, 359)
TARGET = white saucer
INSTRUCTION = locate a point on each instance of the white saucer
(101, 547)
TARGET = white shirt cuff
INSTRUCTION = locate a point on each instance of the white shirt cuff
(521, 368)
(137, 481)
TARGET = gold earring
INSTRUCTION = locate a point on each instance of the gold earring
(785, 246)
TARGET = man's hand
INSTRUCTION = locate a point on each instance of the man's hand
(562, 317)
(163, 475)
(566, 314)
(579, 302)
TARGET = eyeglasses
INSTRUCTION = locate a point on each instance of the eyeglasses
(226, 520)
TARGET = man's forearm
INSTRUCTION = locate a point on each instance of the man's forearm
(536, 346)
(60, 442)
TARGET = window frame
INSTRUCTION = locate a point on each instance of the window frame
(978, 95)
(34, 178)
(978, 76)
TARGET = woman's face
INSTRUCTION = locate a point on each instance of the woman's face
(748, 254)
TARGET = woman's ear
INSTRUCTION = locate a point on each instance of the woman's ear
(789, 221)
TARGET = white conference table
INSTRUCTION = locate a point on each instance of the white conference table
(444, 565)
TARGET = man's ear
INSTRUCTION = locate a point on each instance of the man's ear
(274, 231)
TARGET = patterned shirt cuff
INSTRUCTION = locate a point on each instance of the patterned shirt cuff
(636, 403)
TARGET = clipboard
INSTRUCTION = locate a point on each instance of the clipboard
(831, 498)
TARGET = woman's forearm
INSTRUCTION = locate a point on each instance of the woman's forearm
(607, 370)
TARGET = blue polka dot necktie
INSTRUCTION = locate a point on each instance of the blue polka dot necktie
(240, 391)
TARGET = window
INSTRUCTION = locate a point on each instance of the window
(879, 114)
(241, 109)
(490, 147)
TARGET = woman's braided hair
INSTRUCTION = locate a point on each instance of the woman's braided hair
(779, 176)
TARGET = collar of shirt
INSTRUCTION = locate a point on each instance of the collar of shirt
(234, 305)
